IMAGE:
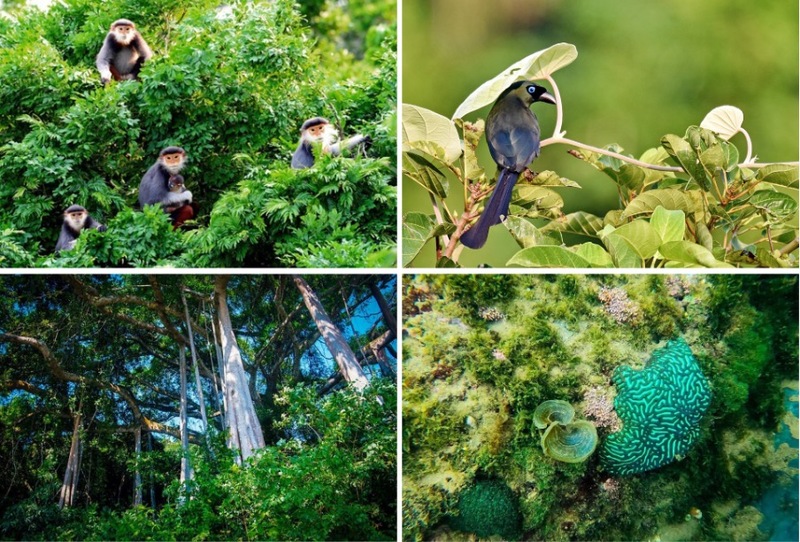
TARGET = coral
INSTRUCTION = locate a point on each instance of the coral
(739, 526)
(618, 306)
(571, 443)
(491, 314)
(678, 287)
(598, 405)
(661, 407)
(611, 488)
(488, 508)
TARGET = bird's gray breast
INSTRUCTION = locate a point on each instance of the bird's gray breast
(512, 133)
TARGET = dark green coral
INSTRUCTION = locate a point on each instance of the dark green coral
(488, 508)
(661, 407)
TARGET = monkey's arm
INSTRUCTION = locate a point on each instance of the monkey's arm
(104, 59)
(92, 223)
(177, 198)
(337, 148)
(145, 53)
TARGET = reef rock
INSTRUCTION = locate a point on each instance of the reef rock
(660, 407)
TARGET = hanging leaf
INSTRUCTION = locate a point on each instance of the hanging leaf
(526, 234)
(430, 133)
(726, 121)
(531, 68)
(416, 232)
(779, 174)
(425, 173)
(688, 254)
(547, 256)
(594, 254)
(580, 222)
(669, 225)
(668, 198)
(777, 204)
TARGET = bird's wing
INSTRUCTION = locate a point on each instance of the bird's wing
(525, 142)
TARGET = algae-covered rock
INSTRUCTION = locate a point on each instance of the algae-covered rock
(570, 443)
(488, 508)
(661, 407)
(553, 411)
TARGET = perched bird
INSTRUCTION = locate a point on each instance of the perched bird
(512, 133)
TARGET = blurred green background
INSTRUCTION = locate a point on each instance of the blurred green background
(644, 69)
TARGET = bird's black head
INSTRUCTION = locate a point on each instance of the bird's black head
(537, 93)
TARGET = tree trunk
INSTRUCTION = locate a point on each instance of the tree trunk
(386, 311)
(137, 479)
(337, 345)
(244, 429)
(152, 478)
(200, 396)
(70, 485)
(186, 464)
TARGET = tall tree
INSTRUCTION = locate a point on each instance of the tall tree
(244, 428)
(70, 485)
(337, 345)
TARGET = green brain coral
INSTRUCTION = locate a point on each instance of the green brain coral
(660, 407)
(488, 508)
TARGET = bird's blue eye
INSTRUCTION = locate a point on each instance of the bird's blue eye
(531, 89)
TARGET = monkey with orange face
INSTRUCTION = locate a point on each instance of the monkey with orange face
(76, 219)
(123, 53)
(163, 185)
(319, 130)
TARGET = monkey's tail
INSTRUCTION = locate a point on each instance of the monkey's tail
(498, 205)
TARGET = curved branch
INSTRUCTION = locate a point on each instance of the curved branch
(559, 108)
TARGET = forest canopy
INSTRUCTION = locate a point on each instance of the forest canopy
(198, 407)
(232, 86)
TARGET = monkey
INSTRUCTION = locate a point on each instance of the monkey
(123, 53)
(162, 185)
(319, 130)
(76, 219)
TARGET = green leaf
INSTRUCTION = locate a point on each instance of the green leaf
(689, 254)
(551, 178)
(685, 155)
(669, 225)
(526, 234)
(417, 228)
(431, 133)
(547, 256)
(594, 254)
(669, 198)
(777, 204)
(544, 198)
(533, 67)
(726, 121)
(580, 222)
(768, 259)
(472, 136)
(779, 174)
(425, 173)
(446, 263)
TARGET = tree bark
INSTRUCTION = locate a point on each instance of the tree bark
(386, 311)
(186, 464)
(200, 396)
(137, 479)
(244, 429)
(70, 485)
(337, 345)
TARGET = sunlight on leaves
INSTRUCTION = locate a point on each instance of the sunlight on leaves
(431, 133)
(726, 121)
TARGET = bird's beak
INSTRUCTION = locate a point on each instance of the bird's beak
(547, 97)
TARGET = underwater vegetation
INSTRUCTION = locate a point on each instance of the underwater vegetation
(483, 352)
(488, 508)
(564, 440)
(661, 407)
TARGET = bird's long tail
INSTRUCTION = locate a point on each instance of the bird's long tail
(498, 204)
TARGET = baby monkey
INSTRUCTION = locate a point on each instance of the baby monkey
(319, 130)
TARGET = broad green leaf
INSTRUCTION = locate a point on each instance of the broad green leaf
(425, 173)
(416, 232)
(531, 68)
(669, 225)
(777, 204)
(622, 251)
(703, 236)
(472, 136)
(632, 243)
(779, 174)
(690, 255)
(430, 133)
(551, 178)
(613, 218)
(547, 256)
(594, 254)
(768, 259)
(446, 263)
(543, 198)
(685, 155)
(580, 222)
(669, 198)
(443, 229)
(525, 233)
(725, 120)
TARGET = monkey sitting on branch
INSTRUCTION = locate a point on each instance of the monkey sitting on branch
(162, 185)
(76, 219)
(319, 130)
(123, 53)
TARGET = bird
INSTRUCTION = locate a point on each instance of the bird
(512, 132)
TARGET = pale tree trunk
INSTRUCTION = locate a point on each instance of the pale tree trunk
(70, 485)
(337, 345)
(137, 478)
(152, 478)
(244, 429)
(388, 315)
(200, 397)
(186, 464)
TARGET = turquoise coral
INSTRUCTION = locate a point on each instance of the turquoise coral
(661, 407)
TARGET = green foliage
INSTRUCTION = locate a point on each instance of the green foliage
(488, 508)
(691, 202)
(224, 88)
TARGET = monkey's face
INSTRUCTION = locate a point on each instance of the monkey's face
(325, 133)
(76, 220)
(175, 184)
(123, 33)
(173, 162)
